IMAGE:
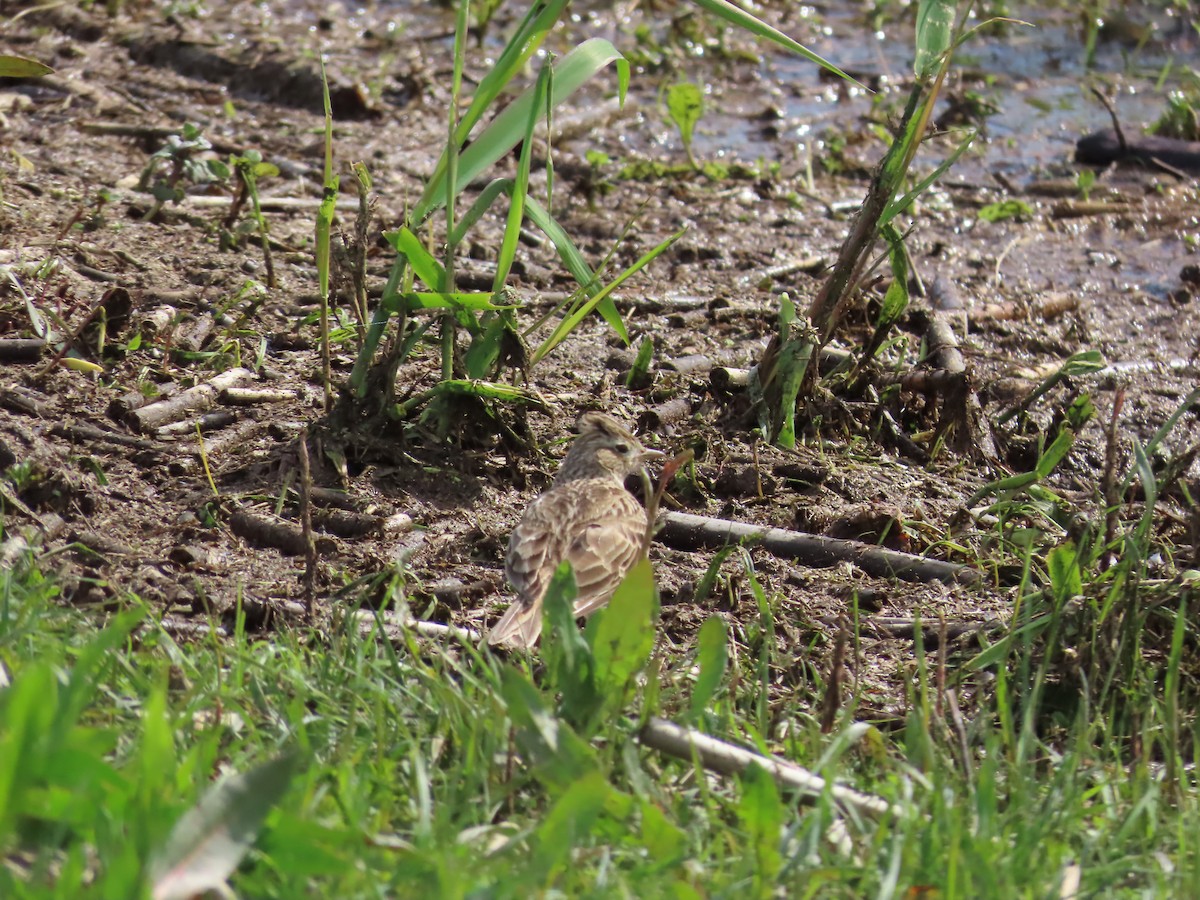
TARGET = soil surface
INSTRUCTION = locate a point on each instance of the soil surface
(128, 500)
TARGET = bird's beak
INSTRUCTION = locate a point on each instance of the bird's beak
(648, 455)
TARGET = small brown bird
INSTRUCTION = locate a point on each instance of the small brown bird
(587, 518)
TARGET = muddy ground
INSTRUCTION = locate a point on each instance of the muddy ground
(123, 505)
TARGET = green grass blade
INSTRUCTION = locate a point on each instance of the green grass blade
(900, 204)
(935, 32)
(571, 322)
(737, 16)
(503, 133)
(622, 634)
(575, 263)
(474, 301)
(516, 207)
(481, 205)
(712, 655)
(517, 52)
(431, 272)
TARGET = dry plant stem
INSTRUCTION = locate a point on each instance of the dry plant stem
(667, 413)
(686, 531)
(960, 729)
(942, 345)
(1112, 114)
(1108, 480)
(100, 435)
(254, 396)
(1079, 209)
(208, 422)
(729, 759)
(20, 400)
(833, 691)
(310, 546)
(268, 204)
(358, 257)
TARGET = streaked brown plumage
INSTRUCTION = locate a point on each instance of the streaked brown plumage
(586, 517)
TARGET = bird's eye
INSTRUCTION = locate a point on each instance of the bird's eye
(621, 447)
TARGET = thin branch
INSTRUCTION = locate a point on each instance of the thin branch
(729, 759)
(685, 531)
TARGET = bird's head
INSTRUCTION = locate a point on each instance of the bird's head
(604, 448)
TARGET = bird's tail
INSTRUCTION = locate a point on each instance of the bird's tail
(519, 627)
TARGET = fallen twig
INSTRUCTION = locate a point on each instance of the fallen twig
(18, 399)
(686, 531)
(287, 537)
(21, 350)
(931, 632)
(194, 400)
(367, 617)
(1050, 306)
(729, 759)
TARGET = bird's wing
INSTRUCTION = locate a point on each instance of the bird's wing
(595, 526)
(535, 549)
(605, 550)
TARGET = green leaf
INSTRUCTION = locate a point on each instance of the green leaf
(558, 756)
(569, 661)
(639, 372)
(935, 29)
(665, 842)
(792, 362)
(712, 654)
(1005, 209)
(20, 67)
(1054, 454)
(323, 227)
(895, 301)
(569, 822)
(210, 840)
(743, 19)
(575, 263)
(685, 105)
(504, 131)
(621, 635)
(429, 270)
(571, 322)
(520, 186)
(1145, 474)
(1063, 565)
(761, 815)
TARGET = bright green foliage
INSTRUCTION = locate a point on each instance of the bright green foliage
(935, 29)
(20, 67)
(1005, 209)
(761, 815)
(409, 787)
(685, 106)
(712, 655)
